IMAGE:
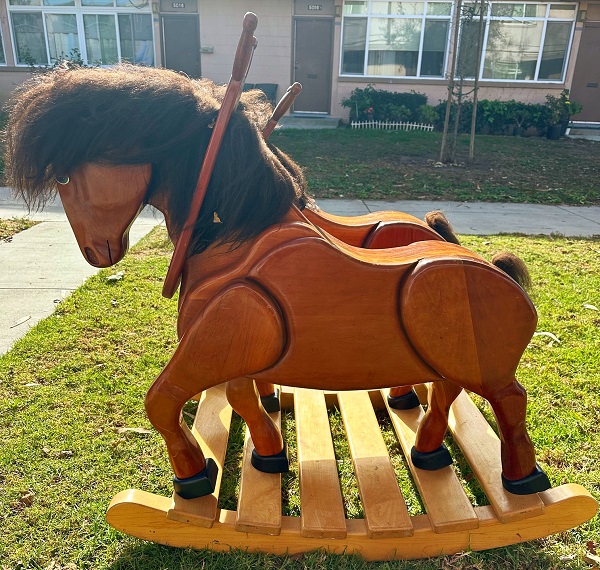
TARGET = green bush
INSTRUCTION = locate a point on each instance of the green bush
(493, 116)
(380, 105)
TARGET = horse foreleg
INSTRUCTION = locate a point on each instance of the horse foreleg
(429, 451)
(239, 332)
(269, 453)
(520, 473)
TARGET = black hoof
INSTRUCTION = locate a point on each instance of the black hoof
(278, 463)
(271, 402)
(432, 460)
(534, 483)
(405, 402)
(198, 485)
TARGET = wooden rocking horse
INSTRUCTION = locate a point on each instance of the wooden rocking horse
(269, 294)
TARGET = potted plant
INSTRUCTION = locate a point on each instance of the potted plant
(559, 112)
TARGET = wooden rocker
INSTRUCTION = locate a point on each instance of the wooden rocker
(268, 295)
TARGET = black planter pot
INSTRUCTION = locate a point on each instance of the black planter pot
(553, 133)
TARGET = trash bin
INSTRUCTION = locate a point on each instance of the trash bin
(269, 89)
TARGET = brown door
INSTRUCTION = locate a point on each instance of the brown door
(312, 63)
(181, 43)
(585, 88)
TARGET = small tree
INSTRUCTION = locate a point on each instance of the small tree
(467, 47)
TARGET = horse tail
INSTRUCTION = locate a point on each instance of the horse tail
(438, 222)
(514, 267)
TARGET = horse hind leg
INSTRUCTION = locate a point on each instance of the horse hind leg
(429, 451)
(269, 454)
(403, 398)
(471, 323)
(521, 474)
(269, 396)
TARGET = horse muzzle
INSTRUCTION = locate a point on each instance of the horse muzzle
(107, 254)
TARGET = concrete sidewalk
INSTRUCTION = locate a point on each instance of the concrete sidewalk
(42, 265)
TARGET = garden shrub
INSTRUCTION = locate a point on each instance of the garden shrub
(493, 116)
(380, 105)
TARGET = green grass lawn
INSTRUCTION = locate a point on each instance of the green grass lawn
(8, 228)
(70, 389)
(401, 165)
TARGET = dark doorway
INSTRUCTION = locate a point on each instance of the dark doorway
(181, 43)
(585, 88)
(313, 38)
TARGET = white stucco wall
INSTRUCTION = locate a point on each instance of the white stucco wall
(220, 28)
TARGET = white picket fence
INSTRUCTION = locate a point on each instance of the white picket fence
(391, 126)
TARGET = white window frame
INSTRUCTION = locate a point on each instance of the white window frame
(78, 10)
(3, 48)
(424, 18)
(545, 19)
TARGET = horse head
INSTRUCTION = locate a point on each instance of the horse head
(101, 203)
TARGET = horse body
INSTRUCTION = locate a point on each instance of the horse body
(337, 317)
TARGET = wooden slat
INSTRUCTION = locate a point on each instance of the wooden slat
(445, 501)
(259, 503)
(211, 429)
(481, 447)
(385, 511)
(321, 505)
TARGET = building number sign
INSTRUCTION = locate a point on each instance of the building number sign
(178, 4)
(315, 6)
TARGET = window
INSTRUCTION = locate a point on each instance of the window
(395, 39)
(2, 56)
(522, 41)
(101, 32)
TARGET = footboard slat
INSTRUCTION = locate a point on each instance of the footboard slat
(322, 511)
(259, 503)
(445, 501)
(211, 429)
(481, 447)
(385, 511)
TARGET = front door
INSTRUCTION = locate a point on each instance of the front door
(181, 43)
(313, 40)
(585, 88)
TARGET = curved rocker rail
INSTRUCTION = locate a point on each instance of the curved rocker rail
(387, 532)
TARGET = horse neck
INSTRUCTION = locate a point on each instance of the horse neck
(220, 257)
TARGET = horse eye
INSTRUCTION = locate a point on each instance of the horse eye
(62, 179)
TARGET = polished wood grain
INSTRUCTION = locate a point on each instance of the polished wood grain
(375, 230)
(282, 108)
(211, 429)
(144, 515)
(322, 512)
(385, 511)
(101, 202)
(481, 448)
(455, 511)
(259, 500)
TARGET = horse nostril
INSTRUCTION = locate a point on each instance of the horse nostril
(91, 256)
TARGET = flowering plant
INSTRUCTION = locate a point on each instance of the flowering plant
(561, 108)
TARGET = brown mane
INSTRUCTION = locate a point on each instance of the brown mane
(63, 119)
